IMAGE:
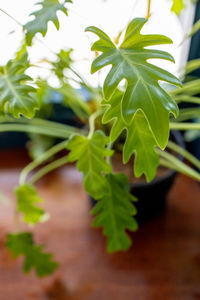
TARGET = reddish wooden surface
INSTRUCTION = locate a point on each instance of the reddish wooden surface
(163, 263)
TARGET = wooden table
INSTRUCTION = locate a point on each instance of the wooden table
(163, 263)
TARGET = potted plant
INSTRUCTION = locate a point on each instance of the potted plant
(133, 119)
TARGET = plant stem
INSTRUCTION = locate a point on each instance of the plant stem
(44, 123)
(59, 133)
(148, 10)
(167, 164)
(189, 113)
(44, 157)
(79, 76)
(178, 165)
(7, 14)
(188, 99)
(92, 123)
(184, 126)
(173, 146)
(50, 167)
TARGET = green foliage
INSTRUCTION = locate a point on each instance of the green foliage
(34, 257)
(75, 101)
(139, 137)
(27, 197)
(90, 154)
(143, 92)
(38, 144)
(47, 12)
(115, 212)
(177, 6)
(195, 29)
(16, 95)
(63, 62)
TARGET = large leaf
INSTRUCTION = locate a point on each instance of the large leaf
(15, 93)
(27, 198)
(34, 257)
(143, 90)
(90, 154)
(115, 212)
(139, 138)
(47, 12)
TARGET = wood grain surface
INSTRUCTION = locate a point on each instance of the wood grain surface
(163, 263)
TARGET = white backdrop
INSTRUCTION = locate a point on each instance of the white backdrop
(110, 15)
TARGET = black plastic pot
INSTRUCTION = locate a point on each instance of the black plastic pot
(152, 196)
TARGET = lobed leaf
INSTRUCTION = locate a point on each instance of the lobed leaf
(34, 257)
(114, 212)
(143, 90)
(27, 197)
(90, 154)
(47, 12)
(16, 95)
(139, 138)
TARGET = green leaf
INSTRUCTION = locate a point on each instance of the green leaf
(34, 257)
(115, 212)
(63, 62)
(139, 138)
(27, 197)
(21, 58)
(90, 154)
(177, 6)
(192, 65)
(15, 93)
(143, 90)
(195, 29)
(47, 12)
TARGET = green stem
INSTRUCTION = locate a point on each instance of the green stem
(184, 126)
(44, 157)
(179, 165)
(188, 113)
(7, 14)
(44, 123)
(187, 155)
(187, 99)
(79, 76)
(167, 164)
(92, 122)
(59, 133)
(191, 88)
(50, 167)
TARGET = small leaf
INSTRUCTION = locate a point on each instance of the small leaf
(90, 154)
(34, 257)
(63, 62)
(177, 6)
(48, 12)
(27, 197)
(139, 138)
(15, 93)
(115, 212)
(143, 90)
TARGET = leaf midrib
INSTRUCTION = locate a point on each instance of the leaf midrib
(16, 95)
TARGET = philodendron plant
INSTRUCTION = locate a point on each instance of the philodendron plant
(137, 115)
